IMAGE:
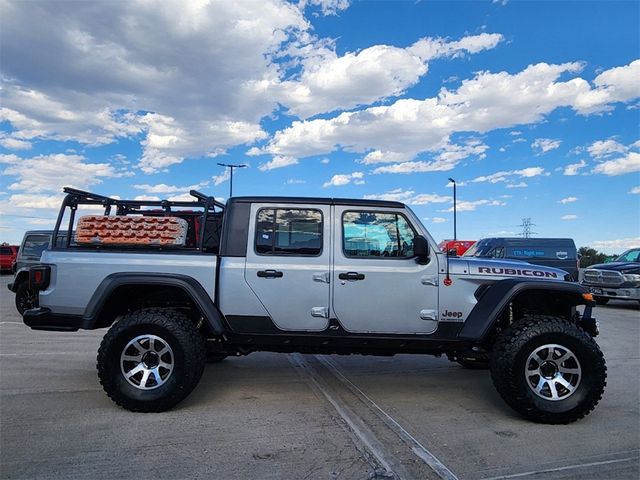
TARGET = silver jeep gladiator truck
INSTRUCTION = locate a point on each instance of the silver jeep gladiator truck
(311, 275)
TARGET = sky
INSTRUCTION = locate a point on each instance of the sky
(532, 107)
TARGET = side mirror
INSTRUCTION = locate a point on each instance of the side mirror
(421, 249)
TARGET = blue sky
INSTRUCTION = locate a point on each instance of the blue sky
(533, 107)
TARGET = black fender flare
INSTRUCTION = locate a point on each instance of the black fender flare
(20, 276)
(188, 284)
(498, 295)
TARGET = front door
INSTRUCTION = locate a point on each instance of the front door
(378, 287)
(288, 263)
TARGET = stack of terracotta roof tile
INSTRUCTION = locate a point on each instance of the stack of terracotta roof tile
(134, 230)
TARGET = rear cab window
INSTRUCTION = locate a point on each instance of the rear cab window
(367, 234)
(289, 231)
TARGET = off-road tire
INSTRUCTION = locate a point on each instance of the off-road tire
(189, 357)
(508, 364)
(601, 300)
(26, 298)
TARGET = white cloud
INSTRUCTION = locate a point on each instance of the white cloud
(35, 201)
(164, 188)
(470, 206)
(295, 181)
(515, 133)
(410, 197)
(628, 164)
(438, 220)
(573, 168)
(278, 161)
(544, 145)
(223, 177)
(325, 160)
(196, 66)
(568, 200)
(605, 148)
(518, 185)
(569, 217)
(49, 173)
(635, 190)
(147, 197)
(331, 82)
(345, 179)
(11, 143)
(409, 127)
(504, 175)
(327, 7)
(617, 245)
(458, 184)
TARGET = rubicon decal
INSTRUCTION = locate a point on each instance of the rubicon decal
(517, 272)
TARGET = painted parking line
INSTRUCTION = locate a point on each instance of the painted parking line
(416, 447)
(561, 469)
(367, 440)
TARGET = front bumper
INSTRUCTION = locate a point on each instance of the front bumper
(42, 319)
(621, 293)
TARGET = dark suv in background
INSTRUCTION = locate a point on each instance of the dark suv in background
(618, 280)
(33, 244)
(550, 252)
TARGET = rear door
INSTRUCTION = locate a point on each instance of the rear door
(378, 287)
(288, 263)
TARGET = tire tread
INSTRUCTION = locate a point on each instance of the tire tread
(504, 377)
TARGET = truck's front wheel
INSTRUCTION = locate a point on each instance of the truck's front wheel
(151, 360)
(548, 370)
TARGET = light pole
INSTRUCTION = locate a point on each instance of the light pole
(231, 166)
(455, 233)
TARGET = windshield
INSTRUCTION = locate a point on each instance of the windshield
(478, 249)
(34, 245)
(630, 256)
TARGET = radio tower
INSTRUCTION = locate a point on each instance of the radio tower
(526, 227)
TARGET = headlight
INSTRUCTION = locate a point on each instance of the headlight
(631, 277)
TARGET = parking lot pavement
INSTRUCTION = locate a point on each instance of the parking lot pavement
(304, 416)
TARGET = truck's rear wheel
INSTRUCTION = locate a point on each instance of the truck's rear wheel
(26, 298)
(151, 360)
(548, 370)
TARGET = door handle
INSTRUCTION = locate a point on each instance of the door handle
(351, 276)
(270, 274)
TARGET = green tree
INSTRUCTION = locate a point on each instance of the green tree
(590, 256)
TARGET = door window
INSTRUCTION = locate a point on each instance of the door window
(288, 232)
(376, 234)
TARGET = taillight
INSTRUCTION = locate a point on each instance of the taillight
(39, 277)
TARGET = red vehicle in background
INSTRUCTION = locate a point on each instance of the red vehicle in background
(460, 246)
(8, 255)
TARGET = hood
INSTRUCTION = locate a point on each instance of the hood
(484, 267)
(623, 267)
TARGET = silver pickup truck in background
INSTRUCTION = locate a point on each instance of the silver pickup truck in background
(311, 275)
(618, 280)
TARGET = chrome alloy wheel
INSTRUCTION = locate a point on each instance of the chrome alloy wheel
(147, 362)
(553, 372)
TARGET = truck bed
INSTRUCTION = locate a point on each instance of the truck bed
(76, 274)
